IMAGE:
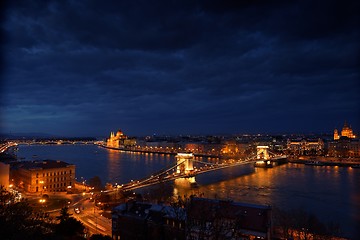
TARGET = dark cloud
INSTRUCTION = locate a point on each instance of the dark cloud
(88, 67)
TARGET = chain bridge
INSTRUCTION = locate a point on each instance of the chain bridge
(187, 166)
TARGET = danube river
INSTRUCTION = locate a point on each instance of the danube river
(331, 193)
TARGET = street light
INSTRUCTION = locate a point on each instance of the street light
(83, 182)
(42, 201)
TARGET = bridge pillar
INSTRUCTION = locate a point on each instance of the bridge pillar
(262, 156)
(185, 161)
(262, 152)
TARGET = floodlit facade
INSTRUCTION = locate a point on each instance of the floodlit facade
(43, 176)
(344, 148)
(346, 145)
(119, 140)
(305, 147)
(345, 132)
(4, 175)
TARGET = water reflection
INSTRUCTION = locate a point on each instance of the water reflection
(332, 193)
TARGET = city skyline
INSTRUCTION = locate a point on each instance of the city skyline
(87, 68)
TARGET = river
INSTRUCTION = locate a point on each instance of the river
(331, 193)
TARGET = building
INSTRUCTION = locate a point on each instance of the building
(145, 221)
(232, 148)
(119, 140)
(336, 135)
(4, 175)
(43, 176)
(200, 218)
(225, 219)
(305, 147)
(344, 147)
(354, 149)
(345, 132)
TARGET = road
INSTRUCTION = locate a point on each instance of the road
(5, 146)
(91, 217)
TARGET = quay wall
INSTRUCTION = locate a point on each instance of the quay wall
(327, 161)
(155, 152)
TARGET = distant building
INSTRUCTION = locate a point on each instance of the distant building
(336, 135)
(232, 148)
(345, 145)
(43, 176)
(194, 147)
(345, 132)
(305, 146)
(119, 140)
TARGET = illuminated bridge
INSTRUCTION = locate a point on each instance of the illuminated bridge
(187, 167)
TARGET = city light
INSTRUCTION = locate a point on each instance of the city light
(188, 165)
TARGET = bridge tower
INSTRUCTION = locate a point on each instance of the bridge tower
(262, 152)
(262, 156)
(185, 161)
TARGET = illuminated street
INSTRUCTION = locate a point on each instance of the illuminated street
(113, 112)
(91, 217)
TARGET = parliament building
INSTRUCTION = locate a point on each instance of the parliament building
(119, 140)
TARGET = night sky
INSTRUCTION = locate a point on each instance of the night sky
(85, 68)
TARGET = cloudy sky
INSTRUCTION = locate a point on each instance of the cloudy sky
(85, 68)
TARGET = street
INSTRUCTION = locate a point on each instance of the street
(91, 217)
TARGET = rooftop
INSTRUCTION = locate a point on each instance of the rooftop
(41, 164)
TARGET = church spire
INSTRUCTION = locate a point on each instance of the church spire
(347, 131)
(336, 134)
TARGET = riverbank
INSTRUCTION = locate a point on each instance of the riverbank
(331, 193)
(326, 161)
(155, 151)
(5, 146)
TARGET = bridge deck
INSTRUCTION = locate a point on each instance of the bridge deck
(165, 176)
(169, 174)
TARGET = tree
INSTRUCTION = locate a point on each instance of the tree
(160, 193)
(64, 214)
(19, 221)
(178, 207)
(95, 182)
(298, 222)
(100, 237)
(69, 226)
(211, 220)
